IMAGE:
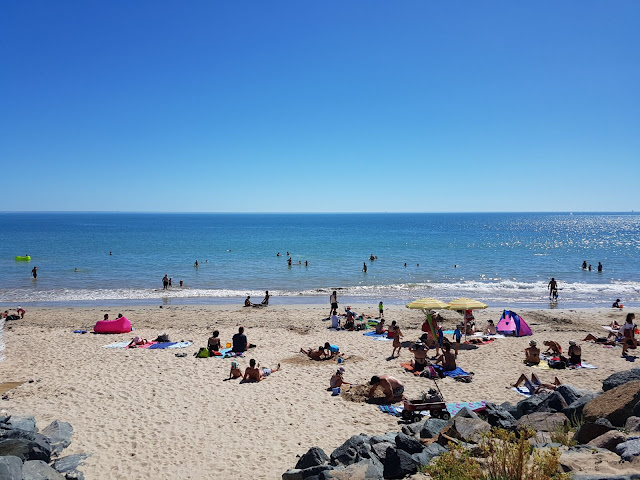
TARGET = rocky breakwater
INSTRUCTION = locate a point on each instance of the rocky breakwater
(596, 436)
(26, 453)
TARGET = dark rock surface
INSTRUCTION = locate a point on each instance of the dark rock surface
(39, 470)
(425, 456)
(352, 451)
(589, 431)
(574, 410)
(315, 456)
(620, 378)
(380, 449)
(399, 464)
(609, 440)
(363, 470)
(630, 449)
(10, 468)
(408, 444)
(59, 434)
(498, 416)
(632, 425)
(529, 405)
(302, 474)
(466, 412)
(544, 421)
(432, 427)
(471, 429)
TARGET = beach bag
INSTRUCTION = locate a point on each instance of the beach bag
(202, 353)
(558, 362)
(162, 338)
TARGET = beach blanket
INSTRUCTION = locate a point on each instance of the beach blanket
(409, 368)
(583, 365)
(146, 345)
(521, 391)
(479, 334)
(161, 345)
(448, 332)
(117, 345)
(381, 337)
(452, 408)
(458, 372)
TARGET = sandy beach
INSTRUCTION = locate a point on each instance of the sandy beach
(147, 413)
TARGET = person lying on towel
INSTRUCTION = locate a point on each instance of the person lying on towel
(137, 342)
(535, 385)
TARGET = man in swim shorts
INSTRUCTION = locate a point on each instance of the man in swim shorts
(391, 387)
(256, 374)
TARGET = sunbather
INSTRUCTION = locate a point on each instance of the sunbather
(535, 385)
(214, 342)
(575, 353)
(491, 329)
(319, 354)
(552, 347)
(601, 340)
(380, 327)
(391, 387)
(419, 362)
(337, 379)
(137, 342)
(235, 371)
(255, 373)
(447, 359)
(532, 354)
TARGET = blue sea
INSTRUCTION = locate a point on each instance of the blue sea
(503, 259)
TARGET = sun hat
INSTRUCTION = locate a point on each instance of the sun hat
(341, 369)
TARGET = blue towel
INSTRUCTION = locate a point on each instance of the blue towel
(458, 372)
(374, 334)
(161, 345)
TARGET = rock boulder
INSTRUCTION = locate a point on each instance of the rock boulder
(609, 440)
(589, 431)
(498, 416)
(616, 405)
(10, 468)
(432, 427)
(352, 451)
(544, 421)
(630, 449)
(471, 429)
(59, 435)
(620, 378)
(39, 470)
(408, 444)
(315, 456)
(399, 464)
(363, 470)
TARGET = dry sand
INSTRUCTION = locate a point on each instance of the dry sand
(148, 413)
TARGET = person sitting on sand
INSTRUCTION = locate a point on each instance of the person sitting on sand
(575, 353)
(447, 359)
(419, 362)
(337, 379)
(491, 329)
(628, 334)
(254, 373)
(535, 385)
(137, 342)
(616, 304)
(392, 388)
(21, 311)
(247, 302)
(397, 335)
(319, 354)
(333, 350)
(532, 354)
(213, 344)
(240, 342)
(235, 371)
(265, 300)
(552, 347)
(335, 321)
(380, 330)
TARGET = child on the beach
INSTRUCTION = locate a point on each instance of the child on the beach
(457, 336)
(381, 309)
(397, 334)
(235, 371)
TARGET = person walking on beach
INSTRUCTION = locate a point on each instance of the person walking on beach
(165, 281)
(364, 267)
(553, 289)
(34, 272)
(397, 334)
(333, 300)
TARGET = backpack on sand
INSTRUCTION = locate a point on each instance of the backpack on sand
(202, 353)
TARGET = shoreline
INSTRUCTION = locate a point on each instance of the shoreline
(148, 413)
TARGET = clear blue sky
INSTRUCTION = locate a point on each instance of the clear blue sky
(331, 106)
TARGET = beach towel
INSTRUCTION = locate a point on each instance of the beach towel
(80, 331)
(146, 345)
(455, 407)
(478, 334)
(381, 337)
(390, 409)
(117, 345)
(160, 345)
(180, 344)
(409, 368)
(448, 332)
(583, 365)
(458, 372)
(521, 391)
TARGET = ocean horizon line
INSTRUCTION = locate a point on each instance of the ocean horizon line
(154, 212)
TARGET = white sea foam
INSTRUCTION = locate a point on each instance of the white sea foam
(492, 292)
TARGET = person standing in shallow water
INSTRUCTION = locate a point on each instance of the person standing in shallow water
(34, 272)
(364, 267)
(165, 282)
(599, 267)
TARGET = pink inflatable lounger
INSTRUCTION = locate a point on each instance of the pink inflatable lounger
(119, 325)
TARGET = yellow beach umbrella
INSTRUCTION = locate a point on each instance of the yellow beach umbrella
(466, 304)
(427, 304)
